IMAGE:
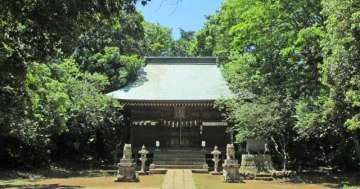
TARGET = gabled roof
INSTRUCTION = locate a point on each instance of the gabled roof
(176, 79)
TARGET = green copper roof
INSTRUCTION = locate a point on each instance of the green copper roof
(176, 79)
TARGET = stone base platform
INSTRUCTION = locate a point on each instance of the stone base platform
(215, 173)
(199, 170)
(142, 173)
(256, 163)
(126, 180)
(257, 166)
(158, 171)
(126, 171)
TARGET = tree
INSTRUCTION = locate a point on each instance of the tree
(182, 45)
(157, 40)
(124, 31)
(273, 51)
(119, 69)
(44, 32)
(204, 41)
(294, 66)
(40, 31)
(341, 69)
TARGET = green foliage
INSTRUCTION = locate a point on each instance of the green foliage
(294, 66)
(46, 99)
(341, 70)
(157, 40)
(183, 45)
(204, 40)
(124, 31)
(60, 95)
(60, 91)
(119, 69)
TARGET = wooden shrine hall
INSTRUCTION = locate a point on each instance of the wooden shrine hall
(171, 104)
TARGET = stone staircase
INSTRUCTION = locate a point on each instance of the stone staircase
(263, 176)
(179, 159)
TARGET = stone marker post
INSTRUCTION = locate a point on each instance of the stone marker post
(126, 167)
(231, 165)
(143, 152)
(216, 158)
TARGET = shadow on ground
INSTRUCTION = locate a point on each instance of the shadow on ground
(333, 179)
(53, 173)
(40, 186)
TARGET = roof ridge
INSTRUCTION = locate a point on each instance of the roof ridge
(180, 60)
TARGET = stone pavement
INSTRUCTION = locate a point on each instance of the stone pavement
(178, 179)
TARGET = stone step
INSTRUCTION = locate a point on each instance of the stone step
(179, 155)
(158, 171)
(178, 166)
(177, 163)
(264, 178)
(180, 152)
(200, 170)
(179, 159)
(263, 175)
(183, 150)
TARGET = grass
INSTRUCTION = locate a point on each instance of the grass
(14, 183)
(350, 187)
(347, 185)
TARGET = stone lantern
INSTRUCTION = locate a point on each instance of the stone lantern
(216, 159)
(143, 152)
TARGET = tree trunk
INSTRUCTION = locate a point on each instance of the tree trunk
(357, 145)
(282, 154)
(285, 162)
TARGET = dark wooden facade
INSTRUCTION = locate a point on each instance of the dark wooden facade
(175, 124)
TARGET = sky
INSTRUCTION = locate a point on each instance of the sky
(186, 14)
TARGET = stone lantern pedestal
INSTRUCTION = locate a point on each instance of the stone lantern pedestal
(126, 167)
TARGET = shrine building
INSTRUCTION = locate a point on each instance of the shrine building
(171, 104)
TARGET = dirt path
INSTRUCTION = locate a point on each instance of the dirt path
(178, 179)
